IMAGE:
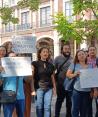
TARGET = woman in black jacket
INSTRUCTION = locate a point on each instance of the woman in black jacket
(43, 82)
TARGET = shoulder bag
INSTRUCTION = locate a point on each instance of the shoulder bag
(9, 96)
(69, 83)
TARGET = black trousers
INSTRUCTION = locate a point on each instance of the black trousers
(96, 108)
(61, 95)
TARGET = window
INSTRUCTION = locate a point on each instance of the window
(69, 11)
(24, 17)
(11, 2)
(45, 16)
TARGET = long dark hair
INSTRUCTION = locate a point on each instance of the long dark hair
(39, 51)
(76, 60)
(5, 49)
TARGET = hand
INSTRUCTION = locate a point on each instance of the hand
(77, 73)
(33, 93)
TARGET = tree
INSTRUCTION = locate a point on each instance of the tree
(31, 4)
(82, 28)
(6, 13)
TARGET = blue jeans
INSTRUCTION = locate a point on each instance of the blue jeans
(43, 102)
(9, 108)
(80, 102)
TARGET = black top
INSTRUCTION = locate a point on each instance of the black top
(42, 74)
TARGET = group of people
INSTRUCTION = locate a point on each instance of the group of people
(48, 79)
(78, 100)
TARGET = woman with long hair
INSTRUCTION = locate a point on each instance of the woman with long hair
(2, 54)
(80, 96)
(43, 82)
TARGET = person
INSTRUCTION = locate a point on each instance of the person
(80, 96)
(43, 82)
(19, 104)
(61, 93)
(2, 54)
(27, 90)
(8, 46)
(93, 61)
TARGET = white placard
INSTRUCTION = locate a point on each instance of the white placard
(89, 78)
(24, 44)
(16, 66)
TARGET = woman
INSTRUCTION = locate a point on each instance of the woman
(27, 90)
(19, 104)
(8, 46)
(43, 80)
(80, 96)
(2, 54)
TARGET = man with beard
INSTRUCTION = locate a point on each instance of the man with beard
(61, 66)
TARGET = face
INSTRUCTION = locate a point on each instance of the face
(2, 52)
(44, 54)
(9, 46)
(66, 50)
(81, 56)
(92, 51)
(12, 55)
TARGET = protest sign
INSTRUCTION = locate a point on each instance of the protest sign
(16, 66)
(89, 78)
(24, 44)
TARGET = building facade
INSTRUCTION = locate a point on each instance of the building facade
(38, 23)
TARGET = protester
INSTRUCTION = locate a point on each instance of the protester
(27, 90)
(2, 54)
(61, 93)
(93, 61)
(8, 46)
(80, 96)
(43, 81)
(19, 104)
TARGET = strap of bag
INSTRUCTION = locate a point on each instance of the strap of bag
(74, 68)
(58, 71)
(17, 79)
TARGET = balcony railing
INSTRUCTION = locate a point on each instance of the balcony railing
(26, 26)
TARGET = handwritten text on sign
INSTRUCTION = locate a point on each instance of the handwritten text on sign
(89, 78)
(16, 66)
(24, 44)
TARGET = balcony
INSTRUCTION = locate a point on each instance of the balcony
(24, 26)
(27, 26)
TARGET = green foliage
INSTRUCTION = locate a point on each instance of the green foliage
(6, 15)
(81, 28)
(6, 12)
(65, 29)
(31, 4)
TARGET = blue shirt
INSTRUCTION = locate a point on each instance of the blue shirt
(10, 84)
(77, 85)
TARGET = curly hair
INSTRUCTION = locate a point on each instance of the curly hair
(40, 50)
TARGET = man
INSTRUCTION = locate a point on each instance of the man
(93, 61)
(61, 93)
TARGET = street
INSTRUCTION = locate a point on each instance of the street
(63, 110)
